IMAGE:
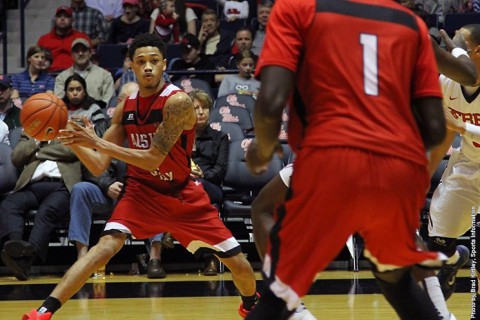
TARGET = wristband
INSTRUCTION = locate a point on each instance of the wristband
(457, 52)
(473, 129)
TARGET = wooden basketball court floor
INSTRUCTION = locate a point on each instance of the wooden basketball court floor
(185, 296)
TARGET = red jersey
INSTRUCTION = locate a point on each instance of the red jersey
(61, 48)
(358, 64)
(141, 117)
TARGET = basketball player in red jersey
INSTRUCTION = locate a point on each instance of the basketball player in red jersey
(159, 123)
(355, 70)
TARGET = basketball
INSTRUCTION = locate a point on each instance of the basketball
(43, 115)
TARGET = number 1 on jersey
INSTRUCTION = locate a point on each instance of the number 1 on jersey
(370, 63)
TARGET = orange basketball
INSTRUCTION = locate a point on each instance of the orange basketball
(43, 115)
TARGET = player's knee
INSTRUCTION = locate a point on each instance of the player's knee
(109, 245)
(442, 244)
(239, 265)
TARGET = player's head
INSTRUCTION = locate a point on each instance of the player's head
(147, 53)
(470, 35)
(146, 40)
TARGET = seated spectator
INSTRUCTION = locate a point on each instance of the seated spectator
(166, 25)
(193, 59)
(215, 43)
(80, 104)
(59, 39)
(34, 79)
(187, 19)
(88, 192)
(99, 80)
(9, 112)
(263, 12)
(49, 171)
(209, 160)
(4, 133)
(111, 9)
(243, 41)
(48, 59)
(128, 25)
(89, 21)
(233, 10)
(243, 82)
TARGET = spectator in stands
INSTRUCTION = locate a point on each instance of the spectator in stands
(243, 41)
(166, 25)
(243, 82)
(35, 79)
(215, 43)
(89, 21)
(49, 172)
(9, 112)
(99, 80)
(128, 25)
(4, 133)
(193, 59)
(48, 59)
(187, 19)
(88, 192)
(209, 160)
(263, 12)
(111, 9)
(59, 39)
(233, 10)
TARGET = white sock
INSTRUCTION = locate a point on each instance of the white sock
(435, 293)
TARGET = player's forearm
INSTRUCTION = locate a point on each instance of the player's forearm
(94, 161)
(148, 160)
(437, 153)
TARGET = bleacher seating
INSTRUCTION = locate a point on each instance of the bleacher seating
(236, 100)
(454, 21)
(241, 187)
(237, 115)
(189, 84)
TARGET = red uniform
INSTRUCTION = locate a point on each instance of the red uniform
(61, 48)
(166, 199)
(361, 160)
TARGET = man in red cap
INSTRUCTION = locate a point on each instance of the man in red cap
(59, 39)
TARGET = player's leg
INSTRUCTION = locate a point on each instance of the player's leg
(405, 296)
(450, 217)
(81, 270)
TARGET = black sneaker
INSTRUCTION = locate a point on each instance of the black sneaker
(19, 266)
(448, 272)
(155, 269)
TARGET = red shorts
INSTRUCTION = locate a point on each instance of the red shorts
(336, 192)
(189, 216)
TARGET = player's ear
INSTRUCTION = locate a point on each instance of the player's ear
(164, 64)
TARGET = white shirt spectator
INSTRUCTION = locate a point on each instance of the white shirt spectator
(111, 8)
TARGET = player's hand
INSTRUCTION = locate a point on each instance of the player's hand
(257, 161)
(76, 134)
(114, 190)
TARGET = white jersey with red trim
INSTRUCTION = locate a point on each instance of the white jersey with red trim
(466, 109)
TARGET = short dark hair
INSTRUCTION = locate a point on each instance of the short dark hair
(209, 11)
(474, 32)
(147, 40)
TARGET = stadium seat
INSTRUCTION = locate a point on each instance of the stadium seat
(110, 56)
(236, 115)
(236, 100)
(14, 136)
(233, 130)
(241, 187)
(454, 21)
(173, 51)
(188, 84)
(8, 172)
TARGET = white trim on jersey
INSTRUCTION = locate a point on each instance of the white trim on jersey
(169, 89)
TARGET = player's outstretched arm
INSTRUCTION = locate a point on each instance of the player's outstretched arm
(277, 84)
(430, 120)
